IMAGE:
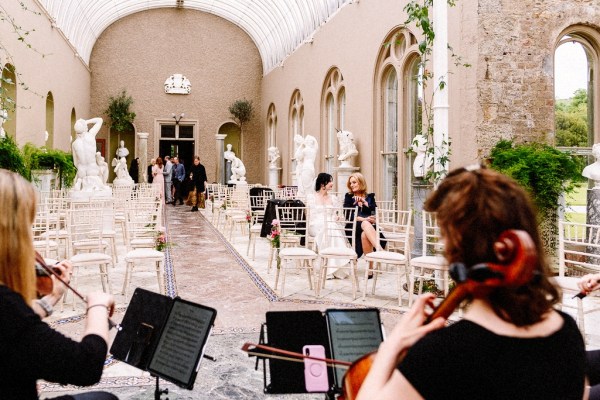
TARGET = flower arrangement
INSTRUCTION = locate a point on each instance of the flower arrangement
(161, 243)
(249, 217)
(275, 238)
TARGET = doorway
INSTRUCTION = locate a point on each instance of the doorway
(184, 149)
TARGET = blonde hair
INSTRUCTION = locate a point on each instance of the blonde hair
(17, 255)
(362, 183)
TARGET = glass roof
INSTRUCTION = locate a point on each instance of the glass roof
(277, 27)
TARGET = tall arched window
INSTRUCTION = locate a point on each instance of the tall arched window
(397, 116)
(332, 114)
(296, 127)
(272, 126)
(8, 96)
(50, 120)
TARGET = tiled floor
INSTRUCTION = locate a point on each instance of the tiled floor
(210, 270)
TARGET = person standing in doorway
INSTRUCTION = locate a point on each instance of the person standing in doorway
(198, 178)
(178, 178)
(167, 174)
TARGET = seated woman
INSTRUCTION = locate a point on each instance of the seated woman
(318, 204)
(510, 340)
(365, 237)
(29, 348)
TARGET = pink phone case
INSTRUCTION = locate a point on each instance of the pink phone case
(315, 372)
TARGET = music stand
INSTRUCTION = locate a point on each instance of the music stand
(164, 336)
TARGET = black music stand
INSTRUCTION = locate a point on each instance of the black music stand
(165, 337)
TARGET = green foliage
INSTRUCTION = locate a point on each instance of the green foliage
(242, 111)
(11, 157)
(42, 158)
(542, 170)
(118, 112)
(572, 120)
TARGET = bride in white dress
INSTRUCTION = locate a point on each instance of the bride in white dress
(319, 203)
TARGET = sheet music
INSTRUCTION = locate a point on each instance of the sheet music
(181, 342)
(353, 333)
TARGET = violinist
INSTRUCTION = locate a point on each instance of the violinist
(29, 348)
(511, 343)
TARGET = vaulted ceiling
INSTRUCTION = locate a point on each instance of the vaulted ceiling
(277, 27)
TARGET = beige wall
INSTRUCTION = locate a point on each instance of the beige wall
(49, 65)
(139, 52)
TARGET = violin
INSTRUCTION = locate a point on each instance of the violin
(45, 285)
(517, 258)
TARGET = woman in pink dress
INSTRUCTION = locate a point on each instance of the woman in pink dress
(158, 182)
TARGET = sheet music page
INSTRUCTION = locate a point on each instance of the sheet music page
(181, 342)
(353, 334)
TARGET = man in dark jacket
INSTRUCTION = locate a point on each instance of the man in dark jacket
(178, 178)
(198, 178)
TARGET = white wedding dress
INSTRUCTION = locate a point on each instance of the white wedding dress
(316, 229)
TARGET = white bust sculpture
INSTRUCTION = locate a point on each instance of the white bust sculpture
(238, 169)
(84, 156)
(347, 147)
(178, 84)
(274, 157)
(309, 155)
(592, 171)
(122, 150)
(229, 154)
(422, 159)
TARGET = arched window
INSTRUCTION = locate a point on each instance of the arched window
(73, 120)
(50, 120)
(397, 116)
(333, 114)
(272, 126)
(8, 98)
(296, 127)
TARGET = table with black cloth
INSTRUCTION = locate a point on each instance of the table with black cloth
(270, 212)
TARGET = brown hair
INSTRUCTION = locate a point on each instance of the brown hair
(362, 183)
(159, 162)
(474, 206)
(17, 255)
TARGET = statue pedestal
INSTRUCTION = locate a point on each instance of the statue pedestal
(123, 182)
(274, 173)
(343, 174)
(238, 183)
(86, 195)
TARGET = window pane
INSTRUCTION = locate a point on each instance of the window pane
(186, 131)
(167, 131)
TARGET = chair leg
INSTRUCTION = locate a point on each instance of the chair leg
(366, 281)
(128, 269)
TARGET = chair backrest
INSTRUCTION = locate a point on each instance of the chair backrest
(143, 221)
(84, 225)
(44, 232)
(339, 223)
(432, 239)
(394, 225)
(292, 221)
(579, 248)
(386, 204)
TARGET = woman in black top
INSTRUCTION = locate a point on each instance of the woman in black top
(511, 343)
(365, 237)
(29, 348)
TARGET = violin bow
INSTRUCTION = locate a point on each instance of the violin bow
(290, 355)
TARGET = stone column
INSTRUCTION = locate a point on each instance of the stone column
(343, 174)
(274, 174)
(420, 190)
(220, 173)
(143, 152)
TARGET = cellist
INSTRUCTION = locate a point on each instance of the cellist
(29, 348)
(511, 342)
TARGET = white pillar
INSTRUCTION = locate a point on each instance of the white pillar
(440, 74)
(343, 174)
(219, 176)
(274, 173)
(143, 152)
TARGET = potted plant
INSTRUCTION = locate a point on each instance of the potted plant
(118, 112)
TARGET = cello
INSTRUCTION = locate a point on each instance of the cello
(517, 258)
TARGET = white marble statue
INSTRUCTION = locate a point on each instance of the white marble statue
(238, 169)
(347, 147)
(3, 118)
(84, 156)
(299, 159)
(592, 171)
(123, 177)
(422, 159)
(274, 157)
(122, 150)
(309, 155)
(228, 154)
(103, 166)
